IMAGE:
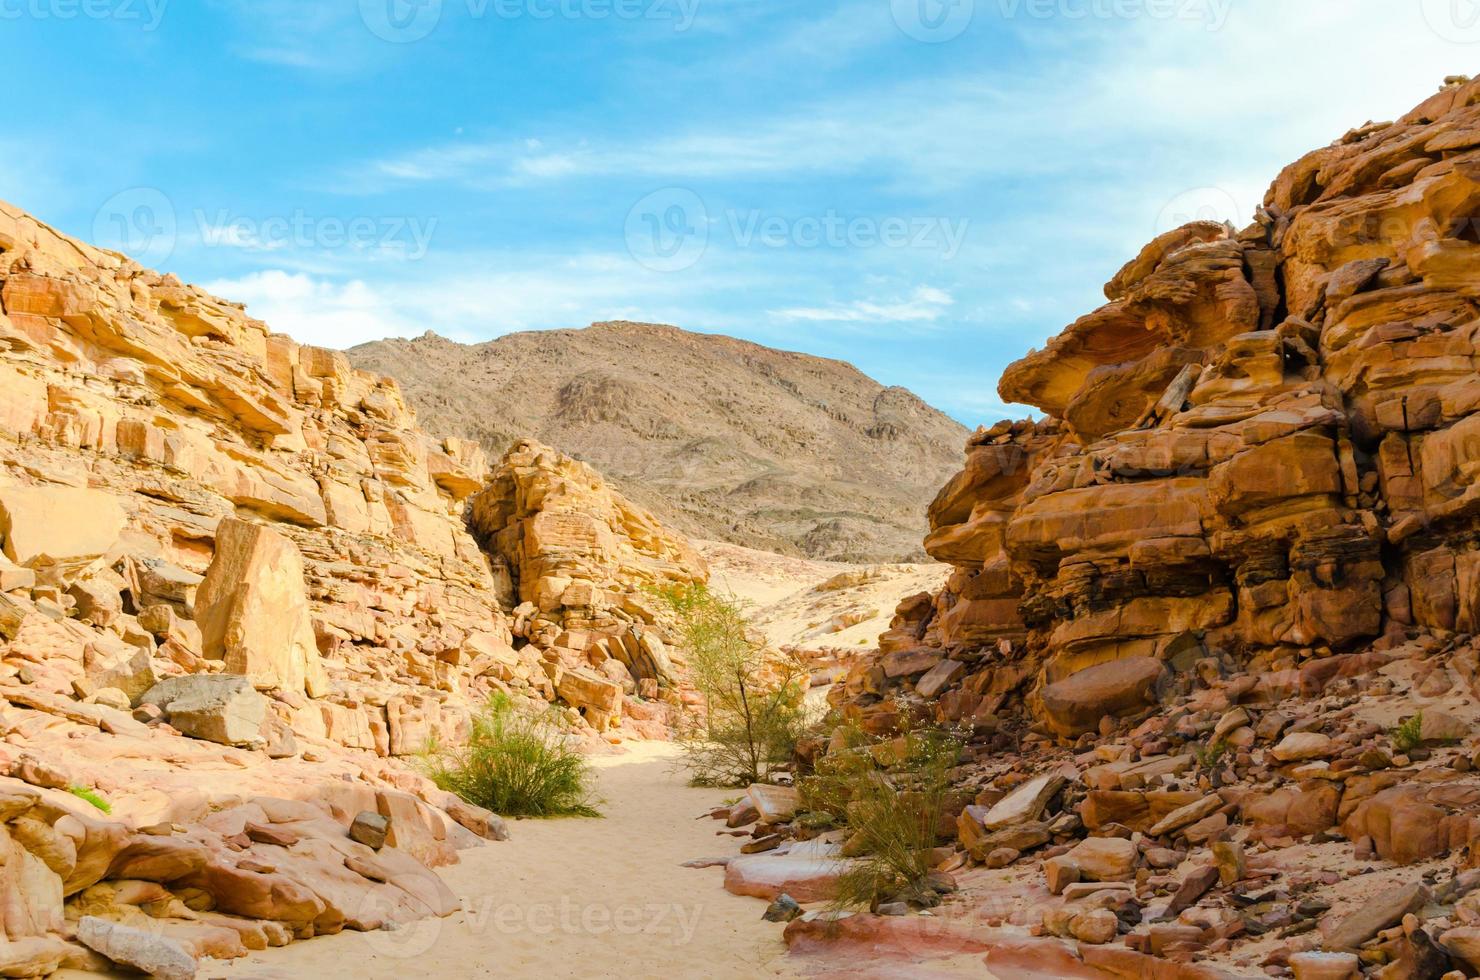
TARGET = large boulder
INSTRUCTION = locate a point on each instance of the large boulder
(253, 610)
(58, 522)
(145, 950)
(215, 707)
(1122, 687)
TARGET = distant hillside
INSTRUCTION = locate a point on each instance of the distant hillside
(720, 437)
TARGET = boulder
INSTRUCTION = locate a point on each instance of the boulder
(1104, 858)
(215, 707)
(1076, 705)
(774, 804)
(144, 950)
(253, 611)
(58, 522)
(1025, 804)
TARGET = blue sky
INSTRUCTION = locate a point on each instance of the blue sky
(924, 188)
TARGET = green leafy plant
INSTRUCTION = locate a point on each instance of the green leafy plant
(752, 714)
(1208, 756)
(516, 764)
(1409, 735)
(893, 815)
(92, 796)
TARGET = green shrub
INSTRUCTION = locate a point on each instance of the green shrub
(892, 815)
(515, 764)
(1409, 735)
(92, 796)
(753, 710)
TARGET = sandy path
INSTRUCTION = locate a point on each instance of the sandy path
(572, 898)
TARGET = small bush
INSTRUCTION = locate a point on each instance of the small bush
(92, 796)
(892, 815)
(1208, 756)
(753, 711)
(515, 764)
(1409, 735)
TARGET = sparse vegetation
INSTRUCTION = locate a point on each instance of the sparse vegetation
(753, 713)
(516, 764)
(1208, 756)
(1409, 735)
(893, 814)
(92, 796)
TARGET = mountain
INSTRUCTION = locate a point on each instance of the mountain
(721, 438)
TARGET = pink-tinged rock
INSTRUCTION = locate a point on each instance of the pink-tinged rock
(808, 873)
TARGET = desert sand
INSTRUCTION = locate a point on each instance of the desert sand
(573, 898)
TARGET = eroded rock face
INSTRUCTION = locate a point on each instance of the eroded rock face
(1261, 449)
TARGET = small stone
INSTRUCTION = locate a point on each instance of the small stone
(1003, 856)
(370, 829)
(1300, 746)
(783, 909)
(1095, 928)
(1325, 966)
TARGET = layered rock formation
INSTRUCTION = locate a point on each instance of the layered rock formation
(1260, 446)
(586, 565)
(236, 583)
(1204, 589)
(722, 439)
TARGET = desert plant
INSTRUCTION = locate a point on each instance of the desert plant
(1409, 735)
(753, 711)
(893, 815)
(92, 796)
(1208, 756)
(515, 763)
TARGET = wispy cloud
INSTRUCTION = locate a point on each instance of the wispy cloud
(925, 305)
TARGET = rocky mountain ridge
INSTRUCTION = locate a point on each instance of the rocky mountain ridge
(721, 438)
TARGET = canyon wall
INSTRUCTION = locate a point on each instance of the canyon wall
(1262, 448)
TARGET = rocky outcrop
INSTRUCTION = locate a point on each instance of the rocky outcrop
(1257, 449)
(1225, 588)
(586, 564)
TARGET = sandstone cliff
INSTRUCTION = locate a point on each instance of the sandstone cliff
(236, 582)
(722, 439)
(1210, 636)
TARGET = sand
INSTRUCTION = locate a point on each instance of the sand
(572, 898)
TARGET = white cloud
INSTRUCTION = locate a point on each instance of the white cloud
(925, 305)
(316, 311)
